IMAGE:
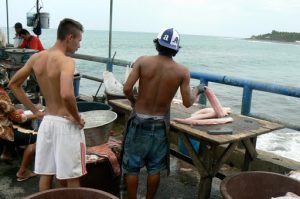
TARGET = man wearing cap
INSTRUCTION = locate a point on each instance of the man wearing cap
(146, 137)
(18, 39)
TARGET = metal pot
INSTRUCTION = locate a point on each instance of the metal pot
(97, 127)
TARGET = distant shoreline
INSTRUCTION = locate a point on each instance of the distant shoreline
(276, 36)
(274, 41)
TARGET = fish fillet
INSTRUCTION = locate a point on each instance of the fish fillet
(209, 111)
(214, 102)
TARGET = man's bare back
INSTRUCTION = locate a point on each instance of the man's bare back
(49, 66)
(159, 78)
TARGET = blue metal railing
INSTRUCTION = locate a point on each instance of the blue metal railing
(248, 86)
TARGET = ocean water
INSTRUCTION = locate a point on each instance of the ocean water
(269, 62)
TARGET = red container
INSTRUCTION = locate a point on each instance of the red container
(258, 185)
(72, 193)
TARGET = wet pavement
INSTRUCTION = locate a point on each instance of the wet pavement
(181, 184)
(10, 188)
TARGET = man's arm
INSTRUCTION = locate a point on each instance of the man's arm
(131, 80)
(188, 96)
(16, 82)
(67, 90)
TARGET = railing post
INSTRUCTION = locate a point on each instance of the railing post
(109, 66)
(246, 100)
(7, 23)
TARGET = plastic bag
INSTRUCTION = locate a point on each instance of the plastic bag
(112, 85)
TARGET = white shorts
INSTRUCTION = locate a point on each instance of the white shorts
(60, 149)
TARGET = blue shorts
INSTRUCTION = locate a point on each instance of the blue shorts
(145, 144)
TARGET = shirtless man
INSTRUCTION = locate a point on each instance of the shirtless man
(60, 146)
(146, 142)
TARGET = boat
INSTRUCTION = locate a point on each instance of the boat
(186, 188)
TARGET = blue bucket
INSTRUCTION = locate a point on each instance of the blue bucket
(76, 84)
(182, 149)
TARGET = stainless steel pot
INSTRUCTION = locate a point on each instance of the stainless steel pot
(98, 125)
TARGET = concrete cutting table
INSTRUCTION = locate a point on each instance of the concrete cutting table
(244, 130)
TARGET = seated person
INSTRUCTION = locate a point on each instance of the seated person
(8, 114)
(30, 41)
(18, 39)
(2, 40)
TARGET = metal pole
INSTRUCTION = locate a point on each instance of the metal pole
(37, 6)
(109, 65)
(7, 22)
(246, 100)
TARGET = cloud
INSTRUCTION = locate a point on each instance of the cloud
(209, 17)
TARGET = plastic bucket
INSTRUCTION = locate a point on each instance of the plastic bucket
(101, 176)
(45, 19)
(92, 106)
(258, 185)
(30, 18)
(74, 193)
(182, 149)
(76, 84)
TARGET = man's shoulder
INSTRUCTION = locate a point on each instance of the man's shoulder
(147, 58)
(143, 57)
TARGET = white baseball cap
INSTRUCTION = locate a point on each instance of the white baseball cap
(169, 38)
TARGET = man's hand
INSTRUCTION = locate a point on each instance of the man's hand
(81, 123)
(196, 91)
(39, 114)
(31, 117)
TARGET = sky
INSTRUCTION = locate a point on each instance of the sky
(229, 18)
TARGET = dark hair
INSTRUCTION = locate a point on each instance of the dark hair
(18, 25)
(24, 32)
(164, 50)
(68, 26)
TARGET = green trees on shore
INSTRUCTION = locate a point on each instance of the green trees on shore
(278, 36)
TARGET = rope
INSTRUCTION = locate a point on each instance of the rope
(31, 9)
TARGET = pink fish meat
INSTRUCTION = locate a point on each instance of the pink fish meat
(206, 113)
(214, 102)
